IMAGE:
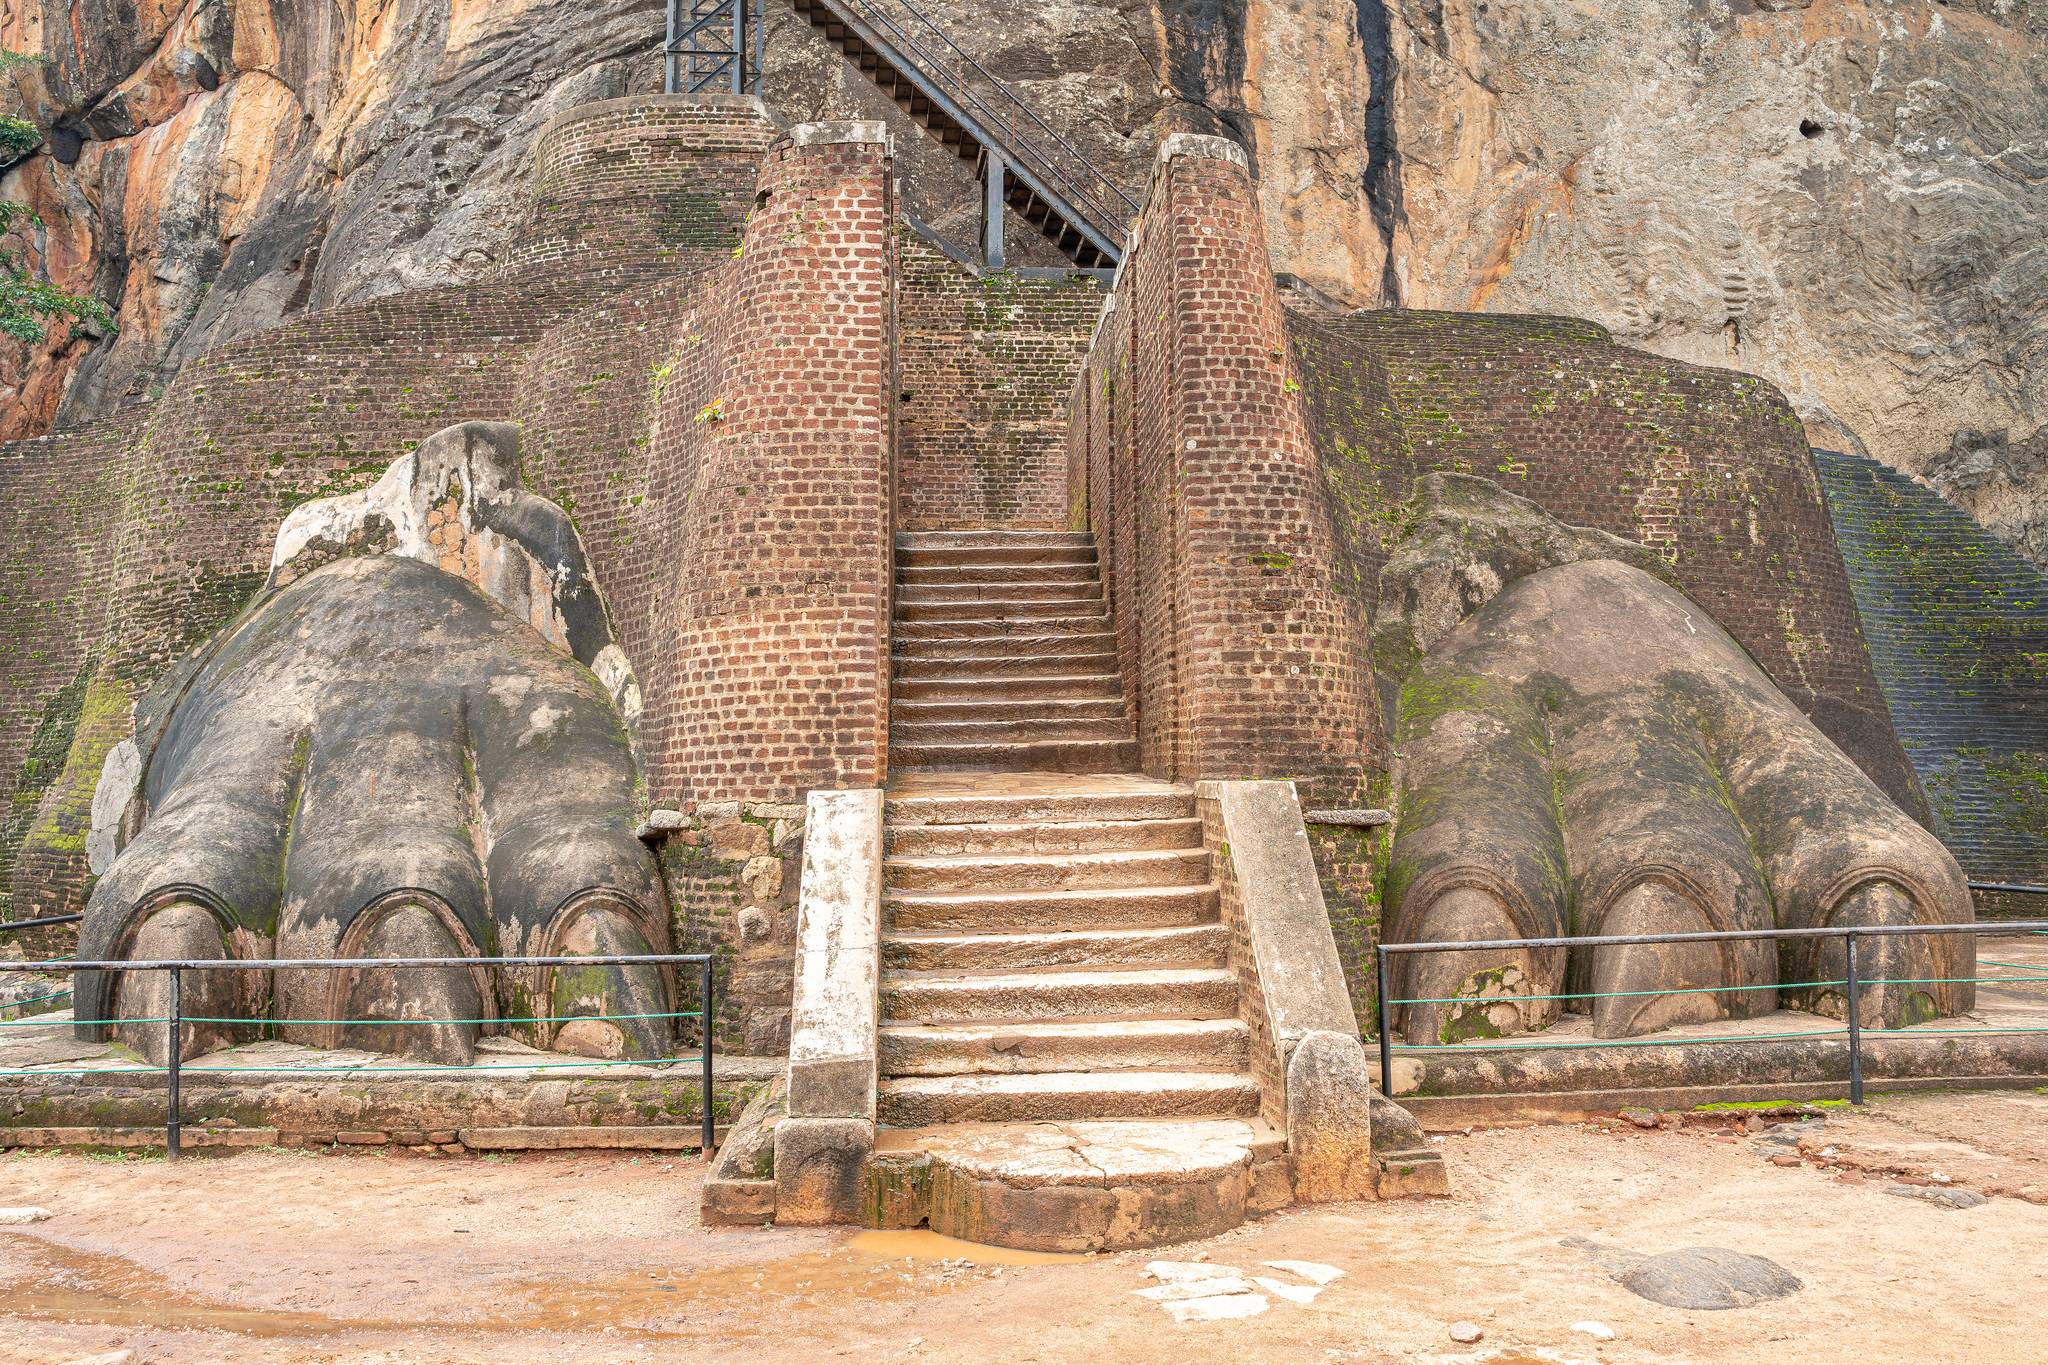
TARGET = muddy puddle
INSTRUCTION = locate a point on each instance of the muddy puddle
(60, 1284)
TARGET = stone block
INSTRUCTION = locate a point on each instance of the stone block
(738, 1203)
(819, 1167)
(836, 1001)
(1329, 1120)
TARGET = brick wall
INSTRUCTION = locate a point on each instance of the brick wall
(1190, 459)
(132, 541)
(1709, 467)
(643, 182)
(1958, 631)
(988, 359)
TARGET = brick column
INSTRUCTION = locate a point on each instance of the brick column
(1245, 658)
(781, 616)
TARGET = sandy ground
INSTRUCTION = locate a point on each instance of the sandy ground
(270, 1256)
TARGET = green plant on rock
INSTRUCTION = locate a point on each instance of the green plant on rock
(29, 303)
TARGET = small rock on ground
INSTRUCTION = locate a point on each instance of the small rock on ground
(1938, 1196)
(107, 1358)
(1708, 1278)
(1599, 1331)
(21, 1217)
(1465, 1333)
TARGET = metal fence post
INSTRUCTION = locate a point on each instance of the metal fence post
(1379, 975)
(173, 1102)
(1855, 1025)
(704, 1018)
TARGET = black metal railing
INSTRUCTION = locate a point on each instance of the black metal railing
(1852, 983)
(175, 1068)
(1010, 126)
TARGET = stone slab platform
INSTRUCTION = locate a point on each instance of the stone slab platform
(56, 1091)
(2002, 1043)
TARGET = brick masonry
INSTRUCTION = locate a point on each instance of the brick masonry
(1958, 631)
(987, 360)
(1191, 461)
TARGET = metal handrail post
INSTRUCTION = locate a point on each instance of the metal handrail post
(704, 1018)
(672, 71)
(1386, 1013)
(993, 191)
(739, 46)
(174, 1101)
(1855, 1024)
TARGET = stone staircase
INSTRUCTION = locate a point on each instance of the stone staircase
(1057, 998)
(1005, 658)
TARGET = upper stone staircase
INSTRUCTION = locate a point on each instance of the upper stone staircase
(1005, 658)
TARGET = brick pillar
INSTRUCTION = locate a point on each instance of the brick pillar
(781, 618)
(1244, 657)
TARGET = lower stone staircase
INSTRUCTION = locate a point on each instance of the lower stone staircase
(1057, 998)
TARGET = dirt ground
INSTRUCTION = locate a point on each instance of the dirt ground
(270, 1256)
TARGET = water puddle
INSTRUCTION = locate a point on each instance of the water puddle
(921, 1244)
(87, 1287)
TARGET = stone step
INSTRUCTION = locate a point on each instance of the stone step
(916, 611)
(1047, 871)
(1041, 687)
(988, 556)
(992, 805)
(1090, 1045)
(1022, 997)
(994, 575)
(1023, 729)
(1203, 945)
(1022, 645)
(1007, 708)
(921, 668)
(955, 540)
(1054, 1096)
(999, 628)
(1027, 837)
(1037, 590)
(1086, 756)
(1000, 911)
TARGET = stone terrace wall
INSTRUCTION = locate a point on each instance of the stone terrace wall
(1958, 630)
(1707, 466)
(1190, 459)
(988, 359)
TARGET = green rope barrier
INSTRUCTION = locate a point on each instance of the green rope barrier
(365, 1069)
(1611, 995)
(1618, 1042)
(34, 1000)
(47, 1022)
(538, 1019)
(2016, 966)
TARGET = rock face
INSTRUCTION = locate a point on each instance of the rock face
(1838, 195)
(1841, 196)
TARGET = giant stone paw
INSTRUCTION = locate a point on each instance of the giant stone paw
(1584, 752)
(380, 759)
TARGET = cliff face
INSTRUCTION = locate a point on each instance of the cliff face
(1840, 195)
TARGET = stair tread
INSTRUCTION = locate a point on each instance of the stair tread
(1041, 978)
(1054, 1082)
(1048, 894)
(1056, 1029)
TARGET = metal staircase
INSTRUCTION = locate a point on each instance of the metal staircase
(1023, 162)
